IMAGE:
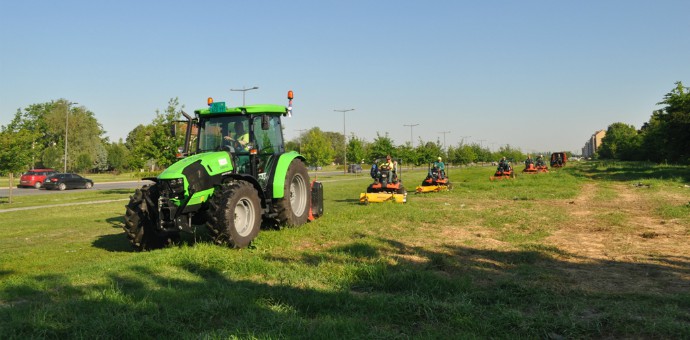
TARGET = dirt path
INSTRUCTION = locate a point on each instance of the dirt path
(622, 244)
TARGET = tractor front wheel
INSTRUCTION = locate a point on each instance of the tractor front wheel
(234, 214)
(293, 208)
(140, 221)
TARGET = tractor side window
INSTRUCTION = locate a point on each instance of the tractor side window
(269, 141)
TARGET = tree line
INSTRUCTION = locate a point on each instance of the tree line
(665, 138)
(37, 135)
(324, 148)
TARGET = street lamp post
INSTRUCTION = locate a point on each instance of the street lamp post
(444, 137)
(344, 139)
(244, 90)
(411, 126)
(67, 105)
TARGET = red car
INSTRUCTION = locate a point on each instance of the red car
(35, 177)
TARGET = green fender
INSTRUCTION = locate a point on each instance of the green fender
(281, 172)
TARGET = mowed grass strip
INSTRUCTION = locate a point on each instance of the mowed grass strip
(477, 261)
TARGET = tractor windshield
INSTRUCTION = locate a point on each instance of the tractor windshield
(219, 132)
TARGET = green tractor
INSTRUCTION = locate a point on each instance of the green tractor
(237, 177)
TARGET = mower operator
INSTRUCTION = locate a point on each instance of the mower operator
(240, 137)
(440, 167)
(388, 166)
(540, 160)
(503, 165)
(529, 161)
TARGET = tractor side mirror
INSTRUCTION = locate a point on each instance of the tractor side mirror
(264, 122)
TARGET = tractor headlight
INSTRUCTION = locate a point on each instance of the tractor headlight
(176, 186)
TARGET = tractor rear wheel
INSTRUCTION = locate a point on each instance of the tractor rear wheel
(140, 221)
(293, 208)
(234, 214)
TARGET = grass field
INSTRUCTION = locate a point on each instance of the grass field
(592, 250)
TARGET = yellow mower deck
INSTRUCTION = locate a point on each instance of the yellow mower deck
(378, 197)
(431, 188)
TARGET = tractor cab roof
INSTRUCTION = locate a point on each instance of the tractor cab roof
(219, 108)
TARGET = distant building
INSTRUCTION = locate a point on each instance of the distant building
(593, 144)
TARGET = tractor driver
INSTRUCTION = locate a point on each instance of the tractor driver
(388, 166)
(503, 165)
(540, 160)
(528, 161)
(239, 138)
(440, 167)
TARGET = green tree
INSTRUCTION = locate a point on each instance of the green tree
(154, 143)
(317, 148)
(15, 152)
(380, 147)
(463, 154)
(666, 137)
(292, 145)
(49, 121)
(407, 153)
(337, 141)
(164, 150)
(356, 150)
(621, 142)
(483, 154)
(427, 152)
(118, 156)
(52, 156)
(83, 163)
(510, 153)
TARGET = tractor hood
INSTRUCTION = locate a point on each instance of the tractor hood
(212, 163)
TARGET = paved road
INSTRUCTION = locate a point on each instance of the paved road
(5, 192)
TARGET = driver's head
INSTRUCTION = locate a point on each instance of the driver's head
(388, 157)
(239, 127)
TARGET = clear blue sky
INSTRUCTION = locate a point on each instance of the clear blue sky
(538, 75)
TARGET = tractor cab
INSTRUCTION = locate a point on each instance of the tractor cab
(250, 140)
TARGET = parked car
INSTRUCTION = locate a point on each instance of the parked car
(354, 168)
(35, 177)
(67, 181)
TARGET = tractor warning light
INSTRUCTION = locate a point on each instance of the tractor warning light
(209, 101)
(289, 109)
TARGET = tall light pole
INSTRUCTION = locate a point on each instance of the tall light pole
(344, 138)
(411, 126)
(67, 105)
(244, 90)
(444, 137)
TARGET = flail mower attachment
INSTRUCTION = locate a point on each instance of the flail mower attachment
(380, 197)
